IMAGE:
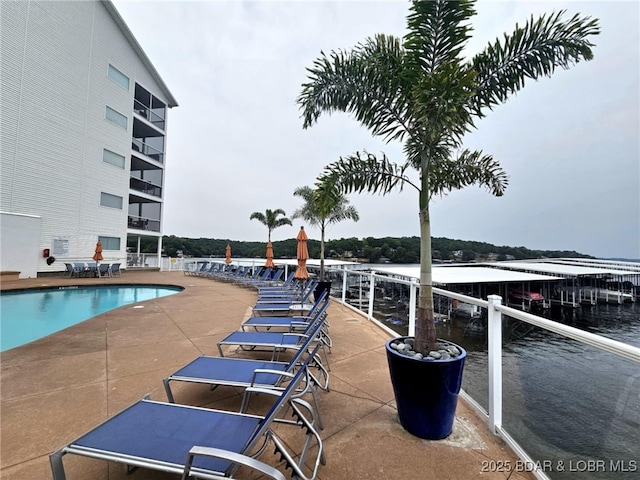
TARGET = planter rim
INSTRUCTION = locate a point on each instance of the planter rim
(433, 360)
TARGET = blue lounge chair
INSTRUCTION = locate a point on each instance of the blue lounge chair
(246, 372)
(301, 295)
(277, 342)
(289, 323)
(79, 269)
(198, 442)
(202, 269)
(274, 284)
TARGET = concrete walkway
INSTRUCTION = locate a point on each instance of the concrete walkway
(54, 389)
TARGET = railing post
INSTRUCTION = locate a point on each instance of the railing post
(372, 282)
(495, 363)
(412, 309)
(344, 284)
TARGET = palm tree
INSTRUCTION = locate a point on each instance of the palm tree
(422, 91)
(322, 209)
(271, 220)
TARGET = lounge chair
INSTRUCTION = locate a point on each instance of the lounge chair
(284, 306)
(271, 286)
(202, 268)
(302, 294)
(246, 372)
(290, 323)
(198, 442)
(115, 270)
(277, 342)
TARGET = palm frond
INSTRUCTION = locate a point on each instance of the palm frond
(531, 51)
(367, 82)
(357, 173)
(470, 168)
(438, 31)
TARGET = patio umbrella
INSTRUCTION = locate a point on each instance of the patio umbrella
(302, 255)
(269, 256)
(227, 255)
(97, 256)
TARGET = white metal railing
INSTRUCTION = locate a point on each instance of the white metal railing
(495, 312)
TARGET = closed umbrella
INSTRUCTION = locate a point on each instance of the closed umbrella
(302, 254)
(97, 256)
(227, 255)
(269, 256)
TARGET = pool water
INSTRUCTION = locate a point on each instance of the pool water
(28, 315)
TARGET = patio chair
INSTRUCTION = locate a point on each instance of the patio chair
(202, 268)
(246, 372)
(68, 270)
(290, 323)
(261, 277)
(301, 295)
(104, 270)
(79, 269)
(115, 270)
(277, 342)
(270, 286)
(199, 442)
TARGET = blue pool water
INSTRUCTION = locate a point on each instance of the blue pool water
(28, 315)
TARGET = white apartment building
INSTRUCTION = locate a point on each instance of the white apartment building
(83, 125)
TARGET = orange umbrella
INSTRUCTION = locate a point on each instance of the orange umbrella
(227, 255)
(97, 256)
(302, 254)
(269, 256)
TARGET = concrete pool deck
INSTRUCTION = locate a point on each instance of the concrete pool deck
(56, 388)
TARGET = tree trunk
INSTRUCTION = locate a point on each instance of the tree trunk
(426, 336)
(322, 253)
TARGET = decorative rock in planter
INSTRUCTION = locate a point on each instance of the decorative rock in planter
(426, 389)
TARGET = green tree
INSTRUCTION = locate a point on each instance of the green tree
(321, 209)
(270, 219)
(422, 91)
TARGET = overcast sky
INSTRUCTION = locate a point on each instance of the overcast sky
(235, 145)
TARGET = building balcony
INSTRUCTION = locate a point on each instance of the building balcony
(148, 150)
(142, 223)
(145, 187)
(149, 114)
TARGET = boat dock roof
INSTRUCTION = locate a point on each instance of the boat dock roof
(451, 275)
(564, 270)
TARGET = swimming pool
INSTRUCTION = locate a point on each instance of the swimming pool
(28, 315)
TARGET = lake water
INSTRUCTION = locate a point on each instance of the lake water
(566, 403)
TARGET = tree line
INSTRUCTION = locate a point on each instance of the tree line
(373, 250)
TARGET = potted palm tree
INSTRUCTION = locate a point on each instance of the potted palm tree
(321, 209)
(423, 91)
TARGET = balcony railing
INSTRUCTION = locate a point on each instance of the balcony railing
(141, 223)
(149, 114)
(145, 187)
(149, 151)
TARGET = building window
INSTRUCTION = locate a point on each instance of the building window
(116, 117)
(113, 158)
(118, 77)
(112, 201)
(110, 243)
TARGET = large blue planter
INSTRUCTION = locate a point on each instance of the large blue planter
(426, 392)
